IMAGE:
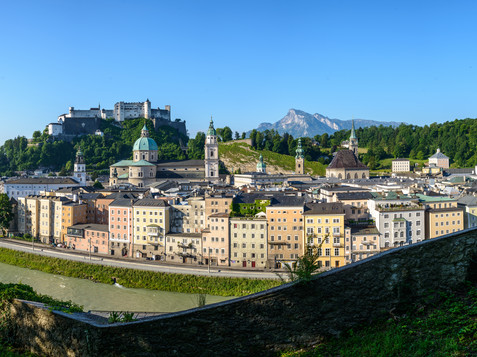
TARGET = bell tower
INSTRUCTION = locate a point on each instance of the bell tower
(353, 141)
(299, 160)
(80, 168)
(211, 154)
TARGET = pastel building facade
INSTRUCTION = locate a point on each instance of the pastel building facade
(151, 223)
(248, 241)
(325, 232)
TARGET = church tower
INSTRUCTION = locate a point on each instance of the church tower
(353, 141)
(211, 154)
(80, 168)
(299, 160)
(261, 167)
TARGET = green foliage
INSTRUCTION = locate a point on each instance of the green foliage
(8, 292)
(132, 278)
(99, 151)
(248, 209)
(98, 184)
(6, 212)
(305, 267)
(195, 148)
(445, 327)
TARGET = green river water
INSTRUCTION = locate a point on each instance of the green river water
(102, 297)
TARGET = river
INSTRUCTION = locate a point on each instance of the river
(102, 297)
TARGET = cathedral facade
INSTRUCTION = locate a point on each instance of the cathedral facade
(144, 169)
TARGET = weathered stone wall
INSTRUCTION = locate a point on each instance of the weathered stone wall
(288, 316)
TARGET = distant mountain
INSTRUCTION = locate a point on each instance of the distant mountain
(299, 124)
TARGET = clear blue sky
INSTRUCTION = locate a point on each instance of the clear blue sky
(244, 62)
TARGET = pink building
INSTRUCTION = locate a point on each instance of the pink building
(121, 227)
(215, 240)
(92, 238)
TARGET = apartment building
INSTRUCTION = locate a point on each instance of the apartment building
(90, 237)
(72, 213)
(325, 232)
(216, 240)
(151, 224)
(184, 248)
(121, 227)
(469, 204)
(285, 230)
(248, 241)
(443, 215)
(399, 218)
(188, 216)
(362, 243)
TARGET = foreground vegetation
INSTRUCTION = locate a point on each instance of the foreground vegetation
(445, 326)
(8, 292)
(132, 278)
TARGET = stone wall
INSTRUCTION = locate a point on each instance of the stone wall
(288, 316)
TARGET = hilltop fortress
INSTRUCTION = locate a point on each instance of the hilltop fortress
(87, 121)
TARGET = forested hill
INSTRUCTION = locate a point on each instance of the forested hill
(99, 152)
(456, 139)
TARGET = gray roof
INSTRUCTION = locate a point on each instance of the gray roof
(324, 208)
(344, 196)
(42, 181)
(150, 202)
(362, 230)
(116, 195)
(92, 226)
(179, 163)
(346, 159)
(467, 201)
(122, 202)
(438, 155)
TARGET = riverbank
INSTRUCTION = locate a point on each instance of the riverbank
(132, 278)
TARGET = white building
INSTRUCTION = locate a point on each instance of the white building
(22, 187)
(401, 165)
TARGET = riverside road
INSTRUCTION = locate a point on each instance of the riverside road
(68, 254)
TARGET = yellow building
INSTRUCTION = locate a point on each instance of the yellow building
(325, 231)
(443, 216)
(72, 213)
(285, 230)
(151, 223)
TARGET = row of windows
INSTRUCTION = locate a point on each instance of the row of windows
(326, 220)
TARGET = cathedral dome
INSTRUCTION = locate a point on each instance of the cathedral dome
(145, 143)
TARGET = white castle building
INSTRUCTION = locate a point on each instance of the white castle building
(87, 121)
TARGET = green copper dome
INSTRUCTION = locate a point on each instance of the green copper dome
(145, 143)
(211, 130)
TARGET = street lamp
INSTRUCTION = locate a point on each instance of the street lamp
(89, 241)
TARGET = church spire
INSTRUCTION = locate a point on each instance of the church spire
(353, 134)
(299, 150)
(144, 131)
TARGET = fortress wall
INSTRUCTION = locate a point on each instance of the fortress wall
(285, 317)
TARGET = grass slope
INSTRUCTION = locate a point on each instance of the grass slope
(241, 155)
(132, 278)
(445, 326)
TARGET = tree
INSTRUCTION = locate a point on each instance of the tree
(36, 136)
(98, 185)
(6, 212)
